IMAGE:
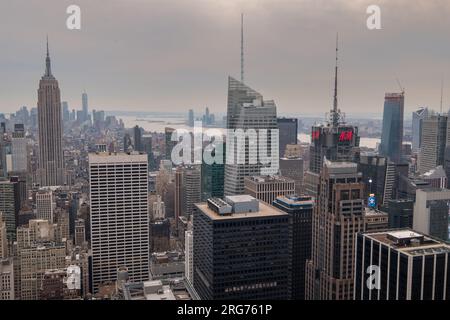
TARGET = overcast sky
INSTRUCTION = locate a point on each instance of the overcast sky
(172, 55)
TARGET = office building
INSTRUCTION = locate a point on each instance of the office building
(434, 139)
(375, 220)
(160, 235)
(137, 133)
(189, 256)
(51, 158)
(400, 213)
(300, 210)
(191, 119)
(35, 260)
(411, 266)
(169, 143)
(7, 291)
(292, 167)
(392, 132)
(338, 215)
(19, 155)
(45, 205)
(431, 211)
(10, 206)
(119, 216)
(4, 252)
(247, 234)
(80, 232)
(436, 177)
(85, 107)
(268, 188)
(417, 117)
(288, 128)
(248, 111)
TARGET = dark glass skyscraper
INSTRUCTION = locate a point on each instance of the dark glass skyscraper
(240, 250)
(392, 133)
(288, 128)
(300, 210)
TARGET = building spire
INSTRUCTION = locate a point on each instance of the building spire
(242, 47)
(335, 113)
(48, 67)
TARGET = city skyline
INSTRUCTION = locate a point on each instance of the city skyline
(131, 65)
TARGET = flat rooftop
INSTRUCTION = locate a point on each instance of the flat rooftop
(264, 211)
(110, 157)
(268, 179)
(409, 242)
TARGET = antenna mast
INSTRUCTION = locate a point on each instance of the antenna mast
(242, 47)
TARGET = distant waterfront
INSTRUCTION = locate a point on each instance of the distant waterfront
(157, 124)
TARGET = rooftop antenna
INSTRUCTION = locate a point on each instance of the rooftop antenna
(242, 47)
(442, 91)
(335, 113)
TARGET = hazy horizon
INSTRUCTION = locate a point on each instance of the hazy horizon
(160, 55)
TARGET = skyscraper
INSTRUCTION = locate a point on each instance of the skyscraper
(417, 117)
(292, 167)
(268, 188)
(434, 139)
(288, 128)
(51, 158)
(137, 133)
(240, 250)
(3, 238)
(337, 217)
(300, 210)
(335, 140)
(19, 149)
(392, 132)
(411, 266)
(247, 111)
(119, 216)
(169, 143)
(431, 212)
(85, 110)
(10, 206)
(44, 205)
(191, 118)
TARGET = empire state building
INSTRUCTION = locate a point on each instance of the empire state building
(51, 161)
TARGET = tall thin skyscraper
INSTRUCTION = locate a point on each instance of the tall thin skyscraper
(392, 133)
(335, 140)
(84, 100)
(417, 117)
(137, 138)
(247, 110)
(19, 149)
(119, 216)
(434, 139)
(339, 214)
(51, 159)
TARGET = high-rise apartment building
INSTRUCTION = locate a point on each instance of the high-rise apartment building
(268, 188)
(7, 291)
(401, 265)
(431, 211)
(339, 214)
(392, 132)
(240, 250)
(119, 216)
(51, 158)
(300, 210)
(248, 111)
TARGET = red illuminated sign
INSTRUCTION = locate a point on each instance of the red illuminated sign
(346, 135)
(315, 135)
